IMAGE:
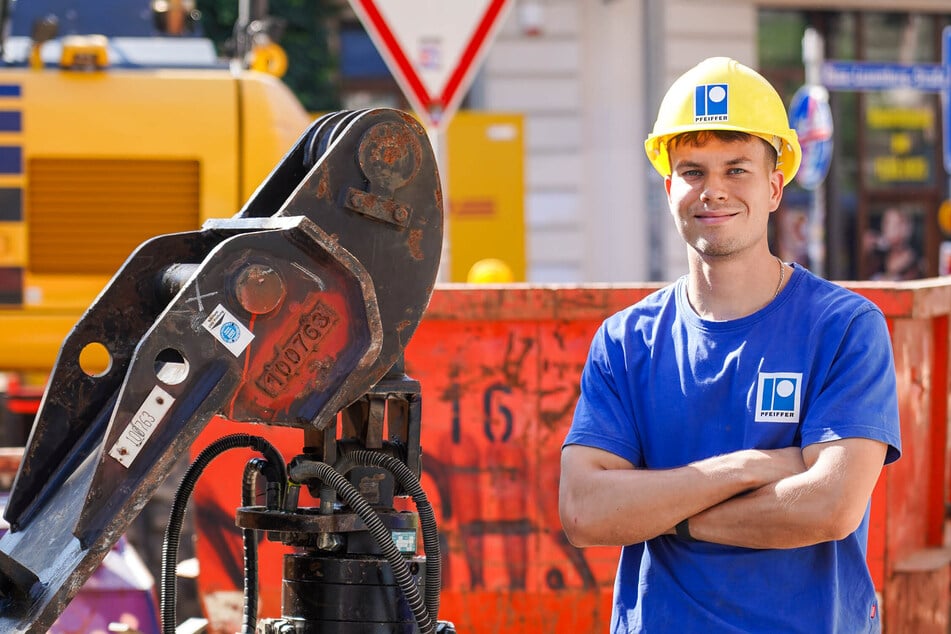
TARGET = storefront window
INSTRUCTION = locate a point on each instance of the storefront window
(901, 139)
(879, 203)
(893, 244)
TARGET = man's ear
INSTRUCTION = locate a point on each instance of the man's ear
(775, 189)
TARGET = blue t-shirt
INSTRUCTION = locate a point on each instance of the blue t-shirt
(662, 388)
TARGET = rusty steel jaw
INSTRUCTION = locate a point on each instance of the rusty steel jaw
(283, 315)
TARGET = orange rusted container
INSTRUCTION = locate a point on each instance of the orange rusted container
(499, 368)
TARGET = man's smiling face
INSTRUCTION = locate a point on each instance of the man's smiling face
(721, 192)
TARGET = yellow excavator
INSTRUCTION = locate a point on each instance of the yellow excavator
(118, 122)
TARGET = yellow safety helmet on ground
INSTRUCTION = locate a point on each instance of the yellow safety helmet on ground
(490, 271)
(719, 93)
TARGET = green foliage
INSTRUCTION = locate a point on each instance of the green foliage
(311, 64)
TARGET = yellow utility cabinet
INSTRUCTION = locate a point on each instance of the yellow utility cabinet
(485, 165)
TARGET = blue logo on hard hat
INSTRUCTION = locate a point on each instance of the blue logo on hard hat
(710, 103)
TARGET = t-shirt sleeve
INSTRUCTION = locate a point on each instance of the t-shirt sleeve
(603, 417)
(858, 397)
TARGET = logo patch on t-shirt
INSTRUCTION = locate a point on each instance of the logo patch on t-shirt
(777, 397)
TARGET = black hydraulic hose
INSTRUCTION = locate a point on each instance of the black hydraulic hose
(427, 517)
(250, 544)
(301, 471)
(177, 515)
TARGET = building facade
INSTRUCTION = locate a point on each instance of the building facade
(588, 76)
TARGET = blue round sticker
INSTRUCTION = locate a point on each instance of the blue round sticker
(811, 117)
(230, 332)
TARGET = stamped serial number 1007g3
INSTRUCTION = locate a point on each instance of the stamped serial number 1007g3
(297, 349)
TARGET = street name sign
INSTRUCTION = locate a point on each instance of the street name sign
(847, 75)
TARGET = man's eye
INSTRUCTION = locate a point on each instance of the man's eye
(737, 170)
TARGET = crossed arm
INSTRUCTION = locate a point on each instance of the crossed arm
(779, 498)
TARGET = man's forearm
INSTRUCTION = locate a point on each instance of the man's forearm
(824, 503)
(627, 506)
(778, 515)
(608, 506)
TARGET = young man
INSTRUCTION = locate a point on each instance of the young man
(732, 426)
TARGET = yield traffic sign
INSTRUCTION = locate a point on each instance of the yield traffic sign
(432, 47)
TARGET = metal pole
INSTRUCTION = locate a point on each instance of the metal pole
(438, 140)
(812, 56)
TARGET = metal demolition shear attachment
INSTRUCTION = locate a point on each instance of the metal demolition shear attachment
(283, 315)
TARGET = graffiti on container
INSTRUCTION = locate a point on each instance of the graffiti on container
(496, 406)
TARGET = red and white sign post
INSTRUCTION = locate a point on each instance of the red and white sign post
(433, 48)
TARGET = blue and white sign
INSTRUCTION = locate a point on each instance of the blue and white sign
(228, 330)
(946, 97)
(843, 75)
(811, 117)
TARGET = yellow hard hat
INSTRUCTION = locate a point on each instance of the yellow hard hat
(490, 271)
(720, 93)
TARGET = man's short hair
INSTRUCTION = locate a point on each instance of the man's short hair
(697, 138)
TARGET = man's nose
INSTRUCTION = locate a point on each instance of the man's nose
(713, 190)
